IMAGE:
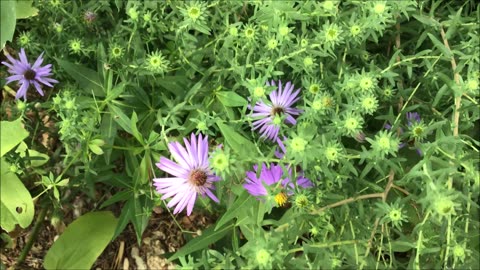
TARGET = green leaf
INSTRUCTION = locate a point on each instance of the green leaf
(440, 45)
(97, 150)
(426, 20)
(121, 118)
(37, 159)
(235, 209)
(133, 126)
(16, 201)
(108, 131)
(125, 216)
(25, 9)
(241, 145)
(231, 99)
(119, 196)
(116, 91)
(208, 237)
(13, 133)
(140, 216)
(82, 242)
(8, 21)
(87, 78)
(402, 246)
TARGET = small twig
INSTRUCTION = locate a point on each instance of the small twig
(349, 200)
(377, 220)
(400, 189)
(33, 235)
(456, 77)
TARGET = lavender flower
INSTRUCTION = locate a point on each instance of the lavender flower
(192, 174)
(270, 177)
(413, 118)
(282, 100)
(283, 150)
(27, 74)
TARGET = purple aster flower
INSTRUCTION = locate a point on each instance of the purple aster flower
(192, 174)
(257, 186)
(281, 101)
(413, 116)
(283, 150)
(27, 74)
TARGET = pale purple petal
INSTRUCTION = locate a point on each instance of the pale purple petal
(39, 75)
(183, 188)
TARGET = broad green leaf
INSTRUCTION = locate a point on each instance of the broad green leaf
(119, 196)
(37, 159)
(237, 141)
(426, 20)
(175, 84)
(116, 91)
(97, 150)
(12, 134)
(235, 209)
(87, 78)
(25, 9)
(8, 21)
(247, 231)
(208, 237)
(82, 242)
(133, 126)
(140, 216)
(16, 201)
(231, 99)
(125, 216)
(121, 118)
(108, 131)
(402, 246)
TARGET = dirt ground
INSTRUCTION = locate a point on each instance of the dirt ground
(162, 235)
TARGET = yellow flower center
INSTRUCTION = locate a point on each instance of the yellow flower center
(259, 91)
(379, 8)
(281, 198)
(283, 30)
(298, 144)
(308, 61)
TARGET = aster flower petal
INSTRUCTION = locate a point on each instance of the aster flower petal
(39, 61)
(191, 203)
(192, 171)
(22, 91)
(38, 87)
(28, 75)
(283, 150)
(212, 196)
(282, 100)
(272, 176)
(171, 167)
(23, 56)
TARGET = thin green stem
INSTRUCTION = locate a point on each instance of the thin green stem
(447, 247)
(33, 235)
(419, 243)
(408, 60)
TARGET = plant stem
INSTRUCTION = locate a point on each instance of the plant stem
(33, 235)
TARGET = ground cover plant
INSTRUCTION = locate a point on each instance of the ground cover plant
(302, 134)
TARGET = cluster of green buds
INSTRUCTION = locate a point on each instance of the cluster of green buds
(156, 63)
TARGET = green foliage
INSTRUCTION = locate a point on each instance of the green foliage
(390, 191)
(12, 134)
(16, 201)
(81, 242)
